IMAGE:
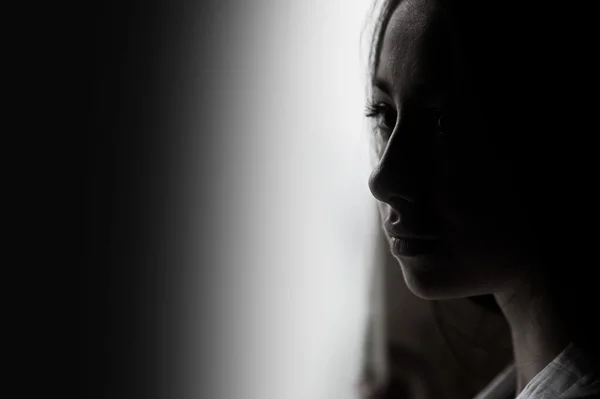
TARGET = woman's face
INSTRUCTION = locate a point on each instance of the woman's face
(448, 203)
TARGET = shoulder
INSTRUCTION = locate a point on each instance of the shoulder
(571, 375)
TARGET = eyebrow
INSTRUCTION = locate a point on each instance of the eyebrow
(383, 86)
(424, 90)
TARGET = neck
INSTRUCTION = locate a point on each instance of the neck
(537, 336)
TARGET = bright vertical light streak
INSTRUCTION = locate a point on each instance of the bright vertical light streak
(295, 223)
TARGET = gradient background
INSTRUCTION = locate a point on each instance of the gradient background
(229, 228)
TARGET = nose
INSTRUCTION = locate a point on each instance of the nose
(401, 170)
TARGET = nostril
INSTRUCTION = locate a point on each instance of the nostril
(391, 179)
(375, 184)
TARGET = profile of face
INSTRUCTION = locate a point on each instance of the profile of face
(446, 193)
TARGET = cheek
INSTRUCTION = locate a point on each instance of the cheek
(480, 210)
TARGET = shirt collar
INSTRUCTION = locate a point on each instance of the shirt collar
(570, 375)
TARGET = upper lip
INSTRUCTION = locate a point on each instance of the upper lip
(405, 234)
(394, 227)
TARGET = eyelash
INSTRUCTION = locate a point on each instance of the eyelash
(378, 110)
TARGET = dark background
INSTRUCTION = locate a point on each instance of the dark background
(133, 292)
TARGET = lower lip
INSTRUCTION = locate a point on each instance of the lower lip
(414, 247)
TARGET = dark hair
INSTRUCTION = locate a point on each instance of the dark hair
(529, 64)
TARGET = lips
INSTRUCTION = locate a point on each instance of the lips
(394, 227)
(398, 231)
(412, 236)
(415, 247)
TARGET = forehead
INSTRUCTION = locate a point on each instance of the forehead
(412, 51)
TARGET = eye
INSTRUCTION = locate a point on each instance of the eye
(384, 114)
(439, 122)
(443, 123)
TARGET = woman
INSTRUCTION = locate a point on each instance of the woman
(484, 174)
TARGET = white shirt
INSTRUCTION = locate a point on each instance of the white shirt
(571, 375)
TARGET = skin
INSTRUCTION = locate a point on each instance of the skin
(440, 175)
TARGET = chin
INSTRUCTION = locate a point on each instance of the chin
(424, 289)
(433, 278)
